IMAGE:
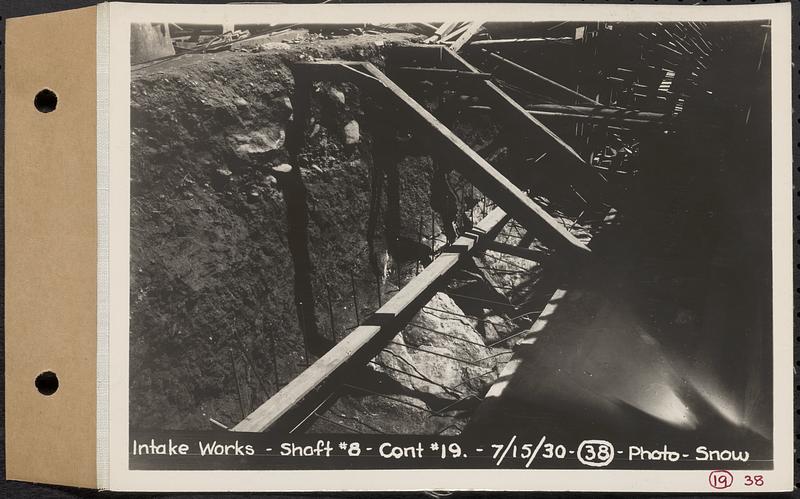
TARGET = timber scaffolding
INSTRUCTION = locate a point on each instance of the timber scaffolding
(306, 398)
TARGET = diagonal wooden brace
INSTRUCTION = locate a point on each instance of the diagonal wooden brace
(469, 163)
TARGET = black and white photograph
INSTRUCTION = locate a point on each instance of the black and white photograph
(524, 244)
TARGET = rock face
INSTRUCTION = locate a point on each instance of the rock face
(495, 328)
(433, 340)
(214, 330)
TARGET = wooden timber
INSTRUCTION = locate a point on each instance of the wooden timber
(607, 115)
(453, 34)
(596, 113)
(439, 74)
(526, 125)
(443, 30)
(533, 74)
(291, 404)
(536, 134)
(517, 41)
(511, 111)
(465, 37)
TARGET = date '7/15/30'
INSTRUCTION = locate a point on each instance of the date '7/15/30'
(593, 453)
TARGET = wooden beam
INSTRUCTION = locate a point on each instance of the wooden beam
(415, 55)
(442, 31)
(514, 113)
(585, 113)
(516, 41)
(440, 74)
(469, 163)
(586, 179)
(596, 113)
(446, 28)
(454, 34)
(599, 111)
(537, 76)
(309, 388)
(466, 36)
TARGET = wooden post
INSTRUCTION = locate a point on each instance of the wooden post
(294, 191)
(294, 194)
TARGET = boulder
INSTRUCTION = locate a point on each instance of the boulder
(496, 328)
(352, 134)
(337, 94)
(443, 346)
(266, 139)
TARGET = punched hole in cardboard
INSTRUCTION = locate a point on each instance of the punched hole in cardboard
(45, 101)
(47, 383)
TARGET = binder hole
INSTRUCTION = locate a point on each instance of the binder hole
(45, 101)
(47, 383)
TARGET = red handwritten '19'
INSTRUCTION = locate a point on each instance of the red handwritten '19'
(720, 479)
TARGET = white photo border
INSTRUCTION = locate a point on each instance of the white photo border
(115, 365)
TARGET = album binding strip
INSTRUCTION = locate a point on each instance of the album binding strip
(50, 249)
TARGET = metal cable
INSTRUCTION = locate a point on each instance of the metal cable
(412, 366)
(338, 424)
(421, 378)
(383, 395)
(481, 299)
(313, 412)
(436, 331)
(457, 359)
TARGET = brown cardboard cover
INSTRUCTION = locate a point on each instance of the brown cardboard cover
(51, 241)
